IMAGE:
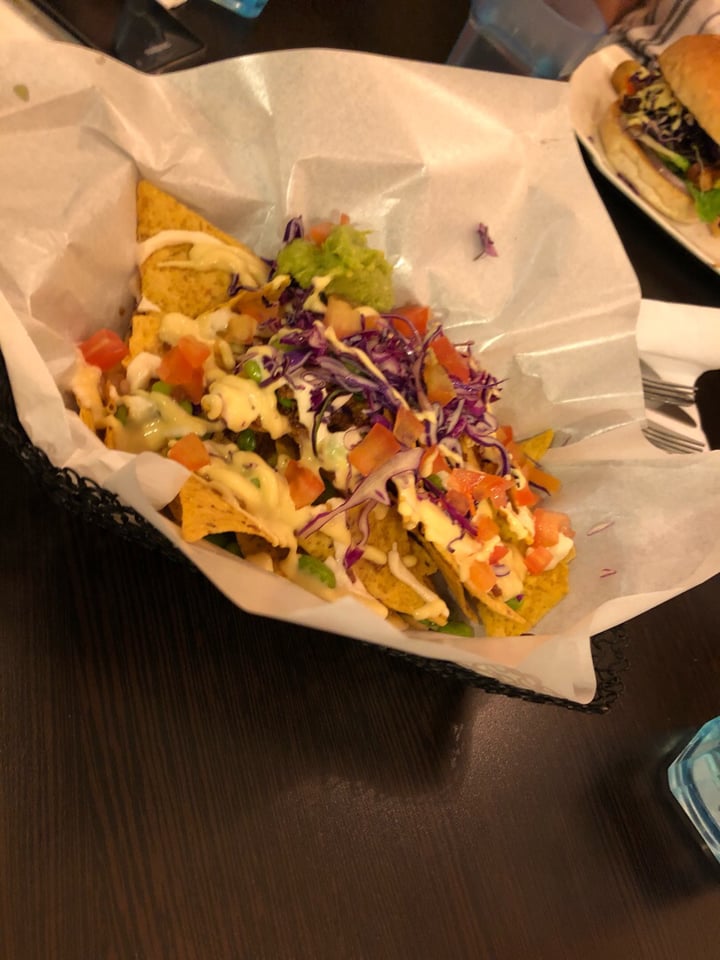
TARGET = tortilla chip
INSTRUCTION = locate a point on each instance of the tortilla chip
(541, 592)
(317, 544)
(86, 415)
(536, 447)
(453, 581)
(176, 289)
(498, 619)
(157, 211)
(200, 510)
(144, 337)
(387, 532)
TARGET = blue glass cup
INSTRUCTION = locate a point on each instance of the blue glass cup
(694, 779)
(246, 8)
(534, 38)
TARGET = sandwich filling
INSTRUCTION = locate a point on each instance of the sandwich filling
(672, 139)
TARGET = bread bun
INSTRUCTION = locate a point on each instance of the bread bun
(691, 67)
(631, 162)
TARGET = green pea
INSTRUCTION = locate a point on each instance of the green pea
(253, 370)
(287, 403)
(122, 414)
(514, 603)
(161, 387)
(246, 440)
(316, 568)
(186, 406)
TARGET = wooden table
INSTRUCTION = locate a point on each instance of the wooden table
(179, 780)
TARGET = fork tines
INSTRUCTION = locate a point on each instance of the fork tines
(682, 395)
(670, 441)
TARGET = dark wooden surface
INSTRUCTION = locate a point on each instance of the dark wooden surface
(179, 780)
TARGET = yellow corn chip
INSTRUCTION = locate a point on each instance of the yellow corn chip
(179, 289)
(541, 592)
(202, 510)
(536, 447)
(144, 336)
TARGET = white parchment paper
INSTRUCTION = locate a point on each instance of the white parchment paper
(419, 154)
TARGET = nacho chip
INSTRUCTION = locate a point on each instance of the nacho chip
(410, 593)
(542, 591)
(453, 581)
(202, 510)
(317, 544)
(158, 211)
(144, 336)
(178, 289)
(536, 447)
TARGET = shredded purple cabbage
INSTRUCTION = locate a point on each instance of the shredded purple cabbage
(487, 247)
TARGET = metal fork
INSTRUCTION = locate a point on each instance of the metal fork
(678, 394)
(670, 441)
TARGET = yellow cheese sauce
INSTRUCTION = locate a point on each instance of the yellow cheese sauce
(261, 490)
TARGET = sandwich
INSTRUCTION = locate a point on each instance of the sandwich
(662, 133)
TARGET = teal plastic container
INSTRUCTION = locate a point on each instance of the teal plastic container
(246, 8)
(694, 778)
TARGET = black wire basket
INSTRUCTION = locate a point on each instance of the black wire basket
(81, 495)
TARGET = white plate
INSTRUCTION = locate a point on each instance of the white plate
(591, 92)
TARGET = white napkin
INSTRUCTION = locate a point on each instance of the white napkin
(656, 24)
(679, 342)
(684, 333)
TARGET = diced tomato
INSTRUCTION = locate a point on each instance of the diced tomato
(195, 351)
(432, 461)
(241, 328)
(465, 481)
(543, 479)
(486, 527)
(481, 576)
(182, 366)
(190, 452)
(631, 87)
(408, 428)
(319, 232)
(344, 319)
(537, 559)
(411, 318)
(374, 449)
(305, 485)
(451, 358)
(549, 524)
(480, 486)
(104, 349)
(504, 433)
(437, 382)
(498, 552)
(460, 501)
(523, 496)
(493, 488)
(254, 305)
